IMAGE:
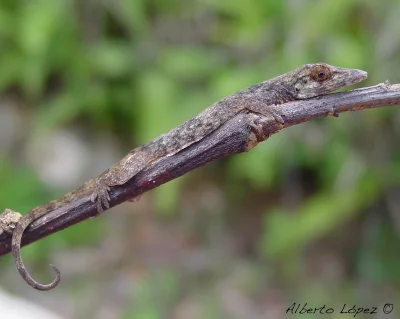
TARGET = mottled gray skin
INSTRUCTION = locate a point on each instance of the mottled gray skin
(308, 81)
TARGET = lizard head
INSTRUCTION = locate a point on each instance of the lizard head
(320, 78)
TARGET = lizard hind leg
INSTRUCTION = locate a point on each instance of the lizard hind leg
(119, 174)
(101, 197)
(16, 250)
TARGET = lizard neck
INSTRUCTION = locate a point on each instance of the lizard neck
(271, 92)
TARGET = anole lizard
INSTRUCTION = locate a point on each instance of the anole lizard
(307, 81)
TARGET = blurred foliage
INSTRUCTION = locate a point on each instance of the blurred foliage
(138, 68)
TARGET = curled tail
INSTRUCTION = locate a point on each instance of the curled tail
(16, 251)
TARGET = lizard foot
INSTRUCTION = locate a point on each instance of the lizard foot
(270, 110)
(134, 199)
(8, 221)
(333, 111)
(258, 131)
(101, 197)
(276, 113)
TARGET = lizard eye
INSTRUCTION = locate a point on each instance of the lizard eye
(320, 73)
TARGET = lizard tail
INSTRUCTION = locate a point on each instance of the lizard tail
(16, 251)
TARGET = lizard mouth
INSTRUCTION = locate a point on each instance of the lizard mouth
(350, 76)
(343, 78)
(358, 75)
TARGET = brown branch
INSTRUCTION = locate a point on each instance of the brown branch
(235, 136)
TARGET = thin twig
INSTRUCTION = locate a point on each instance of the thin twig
(235, 136)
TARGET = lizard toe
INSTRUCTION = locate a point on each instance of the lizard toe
(99, 207)
(105, 201)
(277, 114)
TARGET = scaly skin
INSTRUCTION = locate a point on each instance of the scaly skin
(307, 81)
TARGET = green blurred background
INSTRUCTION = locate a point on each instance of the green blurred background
(312, 215)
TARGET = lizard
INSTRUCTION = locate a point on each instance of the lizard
(307, 81)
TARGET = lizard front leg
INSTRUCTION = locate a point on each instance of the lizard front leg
(265, 109)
